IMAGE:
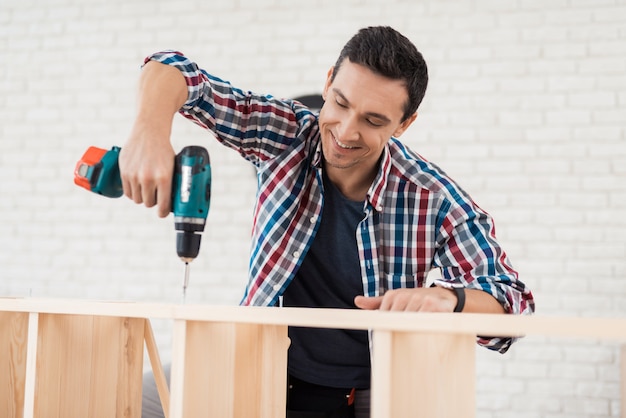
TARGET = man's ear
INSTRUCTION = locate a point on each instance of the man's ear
(329, 77)
(405, 125)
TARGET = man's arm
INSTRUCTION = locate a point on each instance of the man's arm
(469, 257)
(147, 159)
(430, 299)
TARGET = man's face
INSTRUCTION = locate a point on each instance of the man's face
(362, 110)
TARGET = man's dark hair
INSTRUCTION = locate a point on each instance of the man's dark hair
(387, 52)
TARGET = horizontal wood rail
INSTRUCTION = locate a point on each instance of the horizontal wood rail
(230, 361)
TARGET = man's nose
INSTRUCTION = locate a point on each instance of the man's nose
(348, 130)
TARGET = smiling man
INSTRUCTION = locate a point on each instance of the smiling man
(356, 124)
(346, 215)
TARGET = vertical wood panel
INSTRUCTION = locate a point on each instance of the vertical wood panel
(273, 364)
(235, 370)
(13, 341)
(246, 393)
(31, 365)
(89, 366)
(209, 370)
(382, 366)
(177, 378)
(129, 365)
(433, 375)
(157, 368)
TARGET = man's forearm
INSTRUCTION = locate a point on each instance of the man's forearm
(147, 159)
(477, 301)
(162, 92)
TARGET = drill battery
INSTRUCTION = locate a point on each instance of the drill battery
(98, 171)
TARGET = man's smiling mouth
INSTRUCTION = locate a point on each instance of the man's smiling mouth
(341, 144)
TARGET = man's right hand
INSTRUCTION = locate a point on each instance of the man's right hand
(147, 159)
(147, 168)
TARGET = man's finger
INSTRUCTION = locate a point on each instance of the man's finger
(164, 198)
(149, 194)
(128, 190)
(368, 303)
(135, 190)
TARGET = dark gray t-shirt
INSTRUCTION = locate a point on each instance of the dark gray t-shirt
(330, 277)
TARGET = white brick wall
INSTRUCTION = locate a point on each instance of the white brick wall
(526, 109)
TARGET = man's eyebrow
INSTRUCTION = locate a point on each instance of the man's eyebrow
(376, 115)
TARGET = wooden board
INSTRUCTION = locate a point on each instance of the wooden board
(231, 361)
(609, 328)
(88, 366)
(234, 370)
(13, 340)
(423, 375)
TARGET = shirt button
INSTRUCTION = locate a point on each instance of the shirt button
(312, 219)
(276, 287)
(296, 254)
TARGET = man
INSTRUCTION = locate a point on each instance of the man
(346, 215)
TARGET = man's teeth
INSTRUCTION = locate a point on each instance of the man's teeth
(344, 146)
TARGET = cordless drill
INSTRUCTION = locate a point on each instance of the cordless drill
(98, 171)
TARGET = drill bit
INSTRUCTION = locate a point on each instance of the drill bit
(185, 281)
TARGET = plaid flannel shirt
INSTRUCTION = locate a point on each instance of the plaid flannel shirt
(415, 217)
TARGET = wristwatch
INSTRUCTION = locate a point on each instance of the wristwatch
(460, 298)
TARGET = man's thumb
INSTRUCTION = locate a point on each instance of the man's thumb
(368, 303)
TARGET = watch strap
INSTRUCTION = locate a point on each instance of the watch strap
(460, 298)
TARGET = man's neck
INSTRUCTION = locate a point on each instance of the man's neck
(352, 184)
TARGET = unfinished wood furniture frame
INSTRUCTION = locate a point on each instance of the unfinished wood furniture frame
(77, 359)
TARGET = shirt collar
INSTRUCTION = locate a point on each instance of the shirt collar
(379, 185)
(316, 161)
(375, 195)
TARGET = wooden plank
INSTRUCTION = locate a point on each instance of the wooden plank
(609, 328)
(235, 370)
(404, 332)
(124, 339)
(88, 366)
(53, 370)
(103, 364)
(13, 344)
(130, 367)
(177, 377)
(157, 369)
(31, 365)
(273, 364)
(247, 370)
(209, 369)
(260, 367)
(426, 369)
(414, 375)
(382, 362)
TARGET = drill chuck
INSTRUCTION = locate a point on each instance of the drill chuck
(187, 245)
(188, 237)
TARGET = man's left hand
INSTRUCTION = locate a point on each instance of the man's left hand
(429, 299)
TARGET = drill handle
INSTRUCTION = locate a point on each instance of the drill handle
(191, 188)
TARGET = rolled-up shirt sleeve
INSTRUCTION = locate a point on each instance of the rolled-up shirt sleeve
(470, 256)
(258, 126)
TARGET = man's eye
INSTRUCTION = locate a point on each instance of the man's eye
(374, 123)
(340, 104)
